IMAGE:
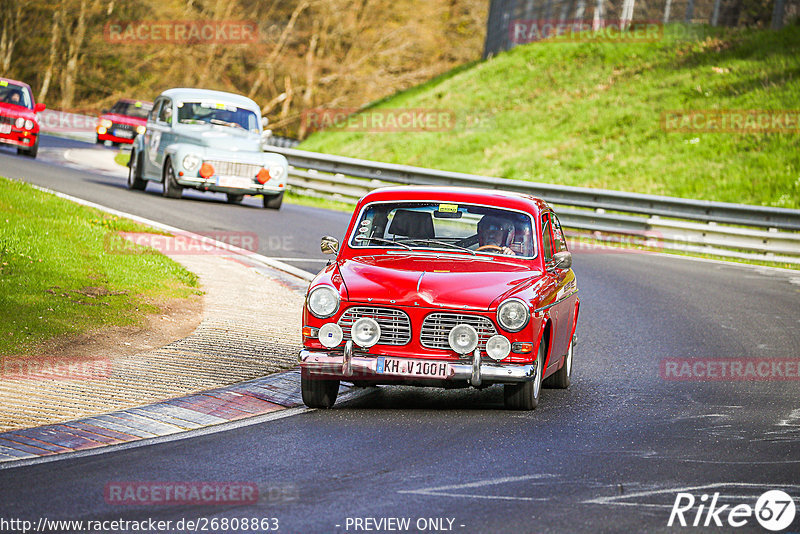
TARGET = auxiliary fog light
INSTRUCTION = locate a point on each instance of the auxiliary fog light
(463, 339)
(330, 335)
(366, 332)
(498, 347)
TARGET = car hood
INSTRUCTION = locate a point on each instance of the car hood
(123, 119)
(222, 137)
(465, 282)
(12, 110)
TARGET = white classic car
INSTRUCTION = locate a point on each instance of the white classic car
(209, 141)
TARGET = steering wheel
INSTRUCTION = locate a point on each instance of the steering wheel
(490, 247)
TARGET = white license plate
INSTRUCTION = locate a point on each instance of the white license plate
(421, 368)
(5, 128)
(123, 133)
(235, 181)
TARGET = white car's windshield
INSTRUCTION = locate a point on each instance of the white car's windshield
(218, 114)
(451, 227)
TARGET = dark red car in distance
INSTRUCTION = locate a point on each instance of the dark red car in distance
(19, 124)
(123, 122)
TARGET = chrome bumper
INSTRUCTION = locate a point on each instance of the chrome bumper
(348, 364)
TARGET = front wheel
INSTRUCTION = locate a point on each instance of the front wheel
(30, 152)
(561, 378)
(525, 396)
(135, 180)
(273, 202)
(171, 187)
(318, 392)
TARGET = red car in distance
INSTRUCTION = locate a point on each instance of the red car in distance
(19, 124)
(445, 287)
(123, 122)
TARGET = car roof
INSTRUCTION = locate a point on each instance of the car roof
(471, 195)
(186, 93)
(17, 82)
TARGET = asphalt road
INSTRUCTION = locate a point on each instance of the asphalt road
(611, 454)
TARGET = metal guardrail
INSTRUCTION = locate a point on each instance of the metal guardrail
(702, 226)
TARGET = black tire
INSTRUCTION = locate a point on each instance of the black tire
(525, 395)
(30, 152)
(171, 187)
(561, 378)
(234, 199)
(135, 180)
(318, 392)
(99, 141)
(273, 202)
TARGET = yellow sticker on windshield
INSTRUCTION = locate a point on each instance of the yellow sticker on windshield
(138, 104)
(448, 208)
(3, 83)
(220, 106)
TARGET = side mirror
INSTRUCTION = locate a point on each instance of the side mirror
(39, 108)
(264, 122)
(562, 260)
(329, 245)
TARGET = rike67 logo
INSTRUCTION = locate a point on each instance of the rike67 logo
(774, 510)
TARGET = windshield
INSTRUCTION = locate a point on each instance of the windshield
(132, 109)
(11, 93)
(450, 227)
(219, 114)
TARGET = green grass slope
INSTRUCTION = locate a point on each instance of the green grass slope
(589, 114)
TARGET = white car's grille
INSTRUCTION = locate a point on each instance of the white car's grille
(436, 327)
(231, 168)
(395, 324)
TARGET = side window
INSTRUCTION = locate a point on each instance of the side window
(559, 240)
(165, 113)
(547, 238)
(154, 112)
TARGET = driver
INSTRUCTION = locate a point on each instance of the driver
(14, 97)
(495, 233)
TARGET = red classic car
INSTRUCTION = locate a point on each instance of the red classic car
(123, 122)
(443, 287)
(19, 125)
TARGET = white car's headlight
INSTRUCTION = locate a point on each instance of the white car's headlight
(513, 315)
(141, 129)
(366, 332)
(323, 302)
(29, 124)
(192, 162)
(276, 171)
(463, 338)
(498, 347)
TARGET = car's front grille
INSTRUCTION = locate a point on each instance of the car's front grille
(395, 324)
(436, 327)
(119, 126)
(231, 168)
(6, 120)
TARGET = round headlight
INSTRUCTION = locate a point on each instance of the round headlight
(323, 302)
(513, 315)
(463, 339)
(498, 347)
(105, 123)
(331, 335)
(275, 171)
(191, 162)
(20, 122)
(29, 124)
(366, 332)
(141, 129)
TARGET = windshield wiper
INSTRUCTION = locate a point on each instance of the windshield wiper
(381, 240)
(437, 242)
(225, 123)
